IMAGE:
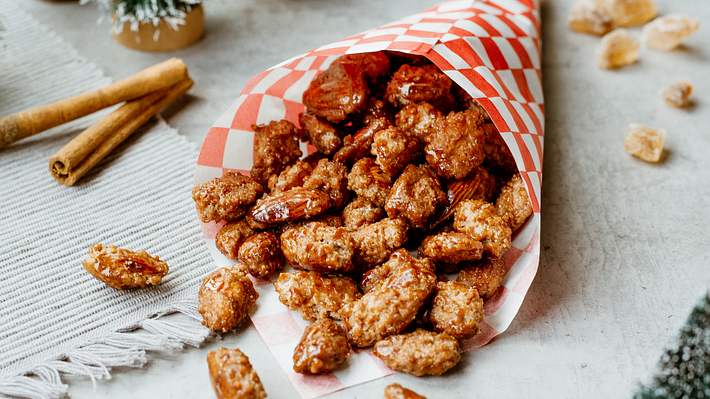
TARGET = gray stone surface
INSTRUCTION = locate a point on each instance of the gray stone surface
(625, 244)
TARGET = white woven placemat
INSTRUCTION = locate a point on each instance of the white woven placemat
(55, 318)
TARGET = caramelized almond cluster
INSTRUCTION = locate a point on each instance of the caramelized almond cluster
(406, 161)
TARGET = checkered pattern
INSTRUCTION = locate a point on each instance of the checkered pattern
(491, 48)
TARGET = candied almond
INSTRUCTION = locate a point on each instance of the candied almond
(261, 254)
(451, 248)
(498, 155)
(480, 184)
(629, 12)
(415, 196)
(645, 143)
(480, 220)
(678, 94)
(231, 236)
(394, 150)
(392, 304)
(417, 119)
(668, 32)
(617, 49)
(419, 353)
(319, 247)
(374, 65)
(486, 277)
(513, 203)
(276, 146)
(368, 181)
(320, 133)
(323, 348)
(588, 17)
(226, 297)
(331, 178)
(233, 376)
(358, 145)
(225, 198)
(314, 295)
(396, 391)
(292, 205)
(456, 309)
(361, 212)
(375, 242)
(337, 92)
(291, 177)
(122, 268)
(455, 144)
(415, 84)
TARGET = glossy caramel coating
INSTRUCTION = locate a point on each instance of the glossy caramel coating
(415, 196)
(486, 276)
(276, 146)
(337, 92)
(498, 155)
(291, 177)
(358, 145)
(513, 203)
(226, 297)
(480, 184)
(225, 198)
(375, 242)
(231, 236)
(320, 133)
(417, 119)
(261, 254)
(122, 268)
(456, 309)
(374, 65)
(367, 179)
(451, 247)
(290, 206)
(361, 212)
(417, 84)
(315, 296)
(456, 143)
(394, 150)
(319, 247)
(323, 348)
(331, 178)
(396, 391)
(233, 376)
(392, 304)
(419, 353)
(480, 220)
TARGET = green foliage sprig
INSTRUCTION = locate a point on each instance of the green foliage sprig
(135, 12)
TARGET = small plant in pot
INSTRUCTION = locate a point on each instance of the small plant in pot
(154, 25)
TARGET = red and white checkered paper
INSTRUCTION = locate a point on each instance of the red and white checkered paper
(491, 48)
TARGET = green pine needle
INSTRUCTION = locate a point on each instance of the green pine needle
(684, 369)
(135, 12)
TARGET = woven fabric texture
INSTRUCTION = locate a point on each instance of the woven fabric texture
(138, 198)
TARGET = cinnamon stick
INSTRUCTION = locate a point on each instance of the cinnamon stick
(86, 150)
(38, 119)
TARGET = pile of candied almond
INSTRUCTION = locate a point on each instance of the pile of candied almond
(405, 161)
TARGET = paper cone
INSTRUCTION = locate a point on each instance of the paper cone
(492, 49)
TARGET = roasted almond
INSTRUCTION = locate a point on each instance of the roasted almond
(289, 206)
(481, 185)
(358, 145)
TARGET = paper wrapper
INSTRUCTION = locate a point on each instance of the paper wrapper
(491, 48)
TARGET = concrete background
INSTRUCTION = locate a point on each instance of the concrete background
(625, 244)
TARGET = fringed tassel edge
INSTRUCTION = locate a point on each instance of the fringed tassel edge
(126, 348)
